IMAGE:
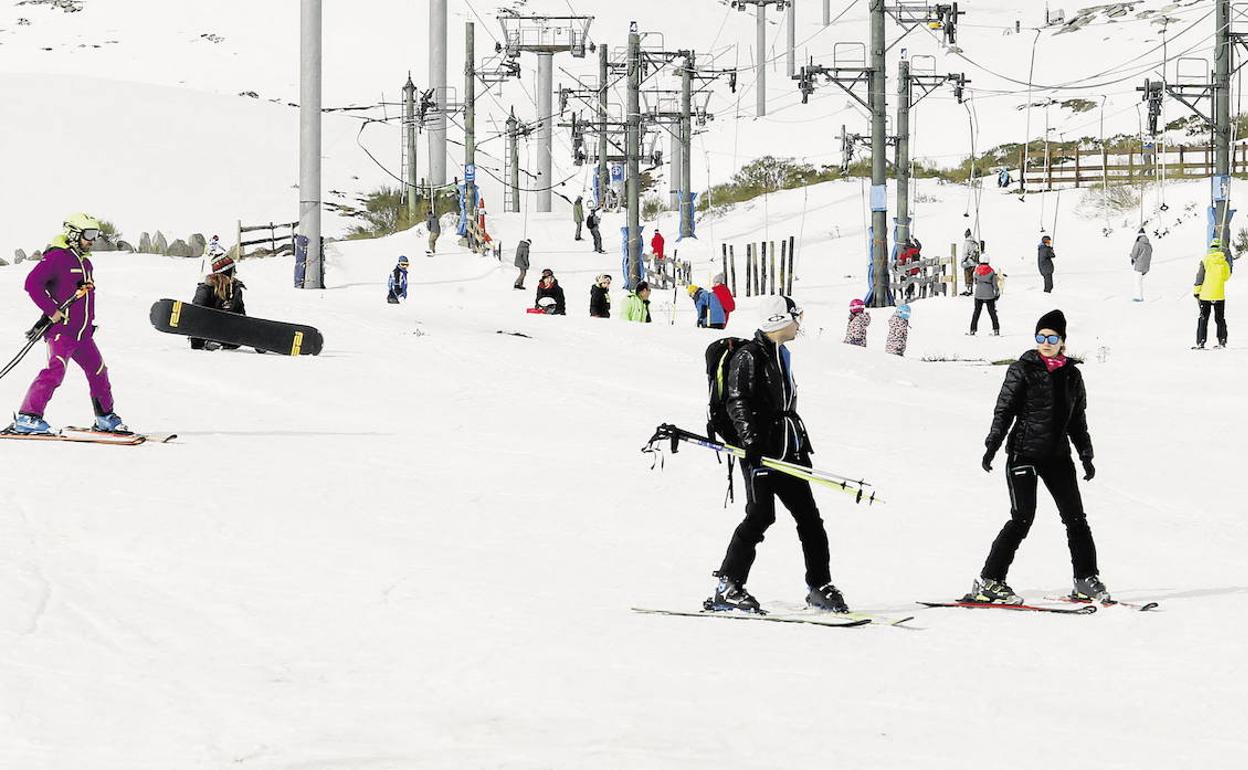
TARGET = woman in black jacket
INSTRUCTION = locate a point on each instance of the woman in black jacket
(219, 291)
(1044, 400)
(549, 287)
(600, 297)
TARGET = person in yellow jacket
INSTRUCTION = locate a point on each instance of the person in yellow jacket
(1210, 291)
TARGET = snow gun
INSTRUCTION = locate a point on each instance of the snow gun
(36, 332)
(856, 488)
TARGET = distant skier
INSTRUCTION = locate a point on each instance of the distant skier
(970, 261)
(65, 271)
(593, 223)
(859, 320)
(1003, 178)
(987, 292)
(726, 300)
(214, 248)
(1044, 400)
(761, 401)
(656, 245)
(706, 305)
(637, 304)
(578, 216)
(1044, 260)
(398, 282)
(220, 290)
(898, 331)
(1141, 261)
(1210, 291)
(521, 262)
(907, 267)
(548, 287)
(600, 297)
(435, 229)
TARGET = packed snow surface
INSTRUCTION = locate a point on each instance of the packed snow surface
(420, 548)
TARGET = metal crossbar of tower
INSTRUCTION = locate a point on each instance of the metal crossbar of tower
(544, 36)
(760, 46)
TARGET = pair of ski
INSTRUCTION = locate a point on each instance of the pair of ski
(1086, 606)
(78, 435)
(809, 617)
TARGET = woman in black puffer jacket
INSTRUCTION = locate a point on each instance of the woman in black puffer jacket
(1042, 406)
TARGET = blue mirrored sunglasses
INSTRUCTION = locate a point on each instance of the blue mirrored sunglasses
(1052, 339)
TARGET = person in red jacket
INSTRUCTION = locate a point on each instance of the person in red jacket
(725, 296)
(656, 244)
(909, 255)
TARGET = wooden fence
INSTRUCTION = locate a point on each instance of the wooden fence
(1091, 166)
(759, 268)
(277, 244)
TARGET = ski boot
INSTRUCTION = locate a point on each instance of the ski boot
(827, 598)
(110, 423)
(992, 591)
(1091, 589)
(996, 332)
(30, 425)
(730, 596)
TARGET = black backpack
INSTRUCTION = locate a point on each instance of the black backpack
(718, 355)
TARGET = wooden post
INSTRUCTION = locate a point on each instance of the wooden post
(749, 268)
(792, 263)
(763, 269)
(953, 259)
(1048, 164)
(272, 238)
(1182, 162)
(732, 263)
(1130, 165)
(773, 250)
(784, 273)
(1022, 168)
(1078, 155)
(725, 257)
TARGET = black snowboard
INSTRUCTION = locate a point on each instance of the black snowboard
(176, 317)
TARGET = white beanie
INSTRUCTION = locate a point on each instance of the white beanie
(983, 259)
(777, 312)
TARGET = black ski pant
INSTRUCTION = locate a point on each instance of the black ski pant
(992, 313)
(1048, 283)
(762, 487)
(1218, 306)
(1058, 475)
(597, 234)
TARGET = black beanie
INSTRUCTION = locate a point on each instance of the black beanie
(1052, 320)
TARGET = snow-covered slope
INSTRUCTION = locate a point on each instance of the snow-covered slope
(419, 549)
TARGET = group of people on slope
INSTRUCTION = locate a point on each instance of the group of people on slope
(1040, 411)
(898, 327)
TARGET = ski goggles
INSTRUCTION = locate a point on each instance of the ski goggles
(90, 234)
(1052, 339)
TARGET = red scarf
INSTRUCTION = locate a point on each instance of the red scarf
(1054, 363)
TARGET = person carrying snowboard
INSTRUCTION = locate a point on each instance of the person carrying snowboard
(1043, 408)
(65, 271)
(898, 331)
(859, 320)
(220, 290)
(1210, 291)
(397, 282)
(761, 404)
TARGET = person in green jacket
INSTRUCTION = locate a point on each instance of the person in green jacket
(578, 216)
(637, 304)
(1210, 291)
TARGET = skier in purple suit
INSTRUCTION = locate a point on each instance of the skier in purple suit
(64, 269)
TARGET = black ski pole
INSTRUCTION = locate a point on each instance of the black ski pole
(36, 332)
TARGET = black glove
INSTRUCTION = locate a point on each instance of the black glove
(753, 455)
(1089, 470)
(986, 464)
